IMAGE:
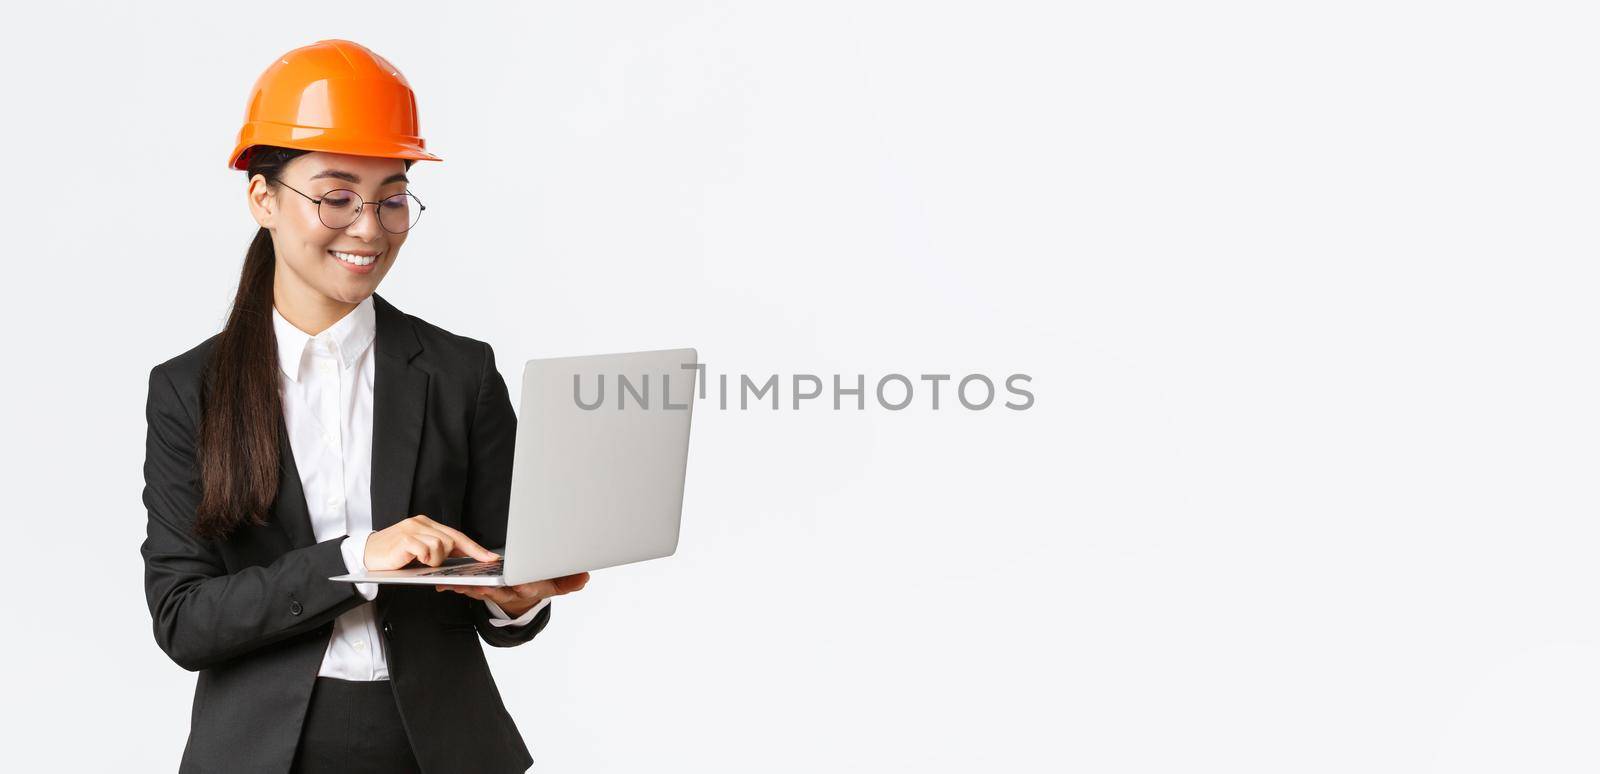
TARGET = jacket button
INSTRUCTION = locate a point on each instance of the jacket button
(295, 608)
(388, 627)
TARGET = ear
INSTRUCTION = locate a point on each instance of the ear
(263, 203)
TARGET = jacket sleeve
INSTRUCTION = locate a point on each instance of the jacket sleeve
(203, 615)
(493, 439)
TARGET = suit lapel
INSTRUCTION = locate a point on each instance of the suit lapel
(290, 508)
(399, 400)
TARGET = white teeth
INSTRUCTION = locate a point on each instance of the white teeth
(359, 260)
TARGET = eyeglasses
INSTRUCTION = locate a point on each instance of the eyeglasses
(339, 208)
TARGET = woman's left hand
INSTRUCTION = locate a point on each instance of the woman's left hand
(516, 600)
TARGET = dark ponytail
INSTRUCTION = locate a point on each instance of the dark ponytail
(240, 409)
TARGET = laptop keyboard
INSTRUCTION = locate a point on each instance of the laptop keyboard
(475, 569)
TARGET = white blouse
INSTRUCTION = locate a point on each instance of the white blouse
(326, 389)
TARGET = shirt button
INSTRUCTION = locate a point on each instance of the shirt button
(334, 502)
(327, 439)
(360, 645)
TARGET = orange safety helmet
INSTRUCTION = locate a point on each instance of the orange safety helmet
(334, 96)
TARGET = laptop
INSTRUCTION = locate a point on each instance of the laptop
(597, 475)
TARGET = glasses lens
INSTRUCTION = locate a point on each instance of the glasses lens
(399, 212)
(339, 208)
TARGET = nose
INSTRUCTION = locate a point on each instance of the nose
(365, 228)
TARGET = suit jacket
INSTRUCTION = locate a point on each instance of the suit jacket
(253, 613)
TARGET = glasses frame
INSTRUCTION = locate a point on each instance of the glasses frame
(421, 208)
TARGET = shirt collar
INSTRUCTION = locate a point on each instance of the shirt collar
(349, 337)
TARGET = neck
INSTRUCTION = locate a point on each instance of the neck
(304, 307)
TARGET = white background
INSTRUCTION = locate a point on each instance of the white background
(1306, 290)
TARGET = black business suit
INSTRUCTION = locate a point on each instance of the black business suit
(254, 613)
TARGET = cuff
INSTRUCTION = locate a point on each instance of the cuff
(498, 617)
(355, 560)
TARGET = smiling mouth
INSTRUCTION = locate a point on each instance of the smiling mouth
(354, 259)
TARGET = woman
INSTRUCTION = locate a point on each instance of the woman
(323, 431)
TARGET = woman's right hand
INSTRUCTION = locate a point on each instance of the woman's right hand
(422, 539)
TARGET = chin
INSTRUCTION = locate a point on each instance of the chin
(352, 293)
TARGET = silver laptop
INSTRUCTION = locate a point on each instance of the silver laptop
(597, 475)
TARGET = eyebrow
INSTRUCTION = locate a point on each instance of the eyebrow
(350, 177)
